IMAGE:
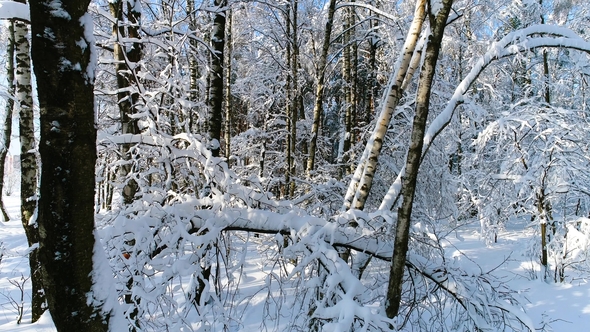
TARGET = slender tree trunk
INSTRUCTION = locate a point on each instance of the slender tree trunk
(354, 88)
(28, 162)
(228, 103)
(372, 88)
(394, 290)
(319, 93)
(294, 115)
(346, 78)
(65, 84)
(362, 180)
(7, 114)
(318, 108)
(126, 55)
(193, 67)
(288, 100)
(216, 76)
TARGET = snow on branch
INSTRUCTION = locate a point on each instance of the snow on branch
(519, 41)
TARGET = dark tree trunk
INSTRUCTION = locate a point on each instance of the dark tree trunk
(216, 76)
(318, 108)
(400, 249)
(126, 55)
(228, 101)
(62, 52)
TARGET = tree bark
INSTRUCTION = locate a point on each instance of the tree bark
(127, 55)
(193, 67)
(62, 47)
(400, 249)
(228, 103)
(216, 76)
(294, 115)
(28, 163)
(7, 114)
(362, 180)
(318, 108)
(288, 99)
(348, 95)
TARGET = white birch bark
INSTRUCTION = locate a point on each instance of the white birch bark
(28, 161)
(513, 43)
(401, 242)
(362, 180)
(7, 113)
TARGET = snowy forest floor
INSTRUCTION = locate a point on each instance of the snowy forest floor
(551, 306)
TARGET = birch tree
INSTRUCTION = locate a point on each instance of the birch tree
(437, 18)
(7, 130)
(362, 180)
(28, 161)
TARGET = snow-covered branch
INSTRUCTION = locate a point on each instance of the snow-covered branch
(519, 41)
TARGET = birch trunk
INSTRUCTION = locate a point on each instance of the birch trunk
(362, 180)
(319, 92)
(65, 85)
(394, 290)
(28, 162)
(7, 114)
(228, 103)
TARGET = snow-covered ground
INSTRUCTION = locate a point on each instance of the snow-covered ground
(554, 307)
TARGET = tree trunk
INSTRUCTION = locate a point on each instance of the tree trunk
(228, 104)
(362, 180)
(347, 81)
(4, 146)
(62, 52)
(294, 115)
(216, 76)
(319, 92)
(126, 55)
(193, 67)
(288, 99)
(394, 290)
(28, 162)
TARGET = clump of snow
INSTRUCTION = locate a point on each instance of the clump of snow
(12, 9)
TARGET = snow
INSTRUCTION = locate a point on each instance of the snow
(58, 11)
(11, 9)
(436, 6)
(563, 307)
(87, 22)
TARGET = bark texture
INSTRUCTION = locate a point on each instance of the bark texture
(61, 53)
(318, 108)
(216, 77)
(7, 114)
(228, 101)
(400, 249)
(362, 180)
(127, 55)
(28, 162)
